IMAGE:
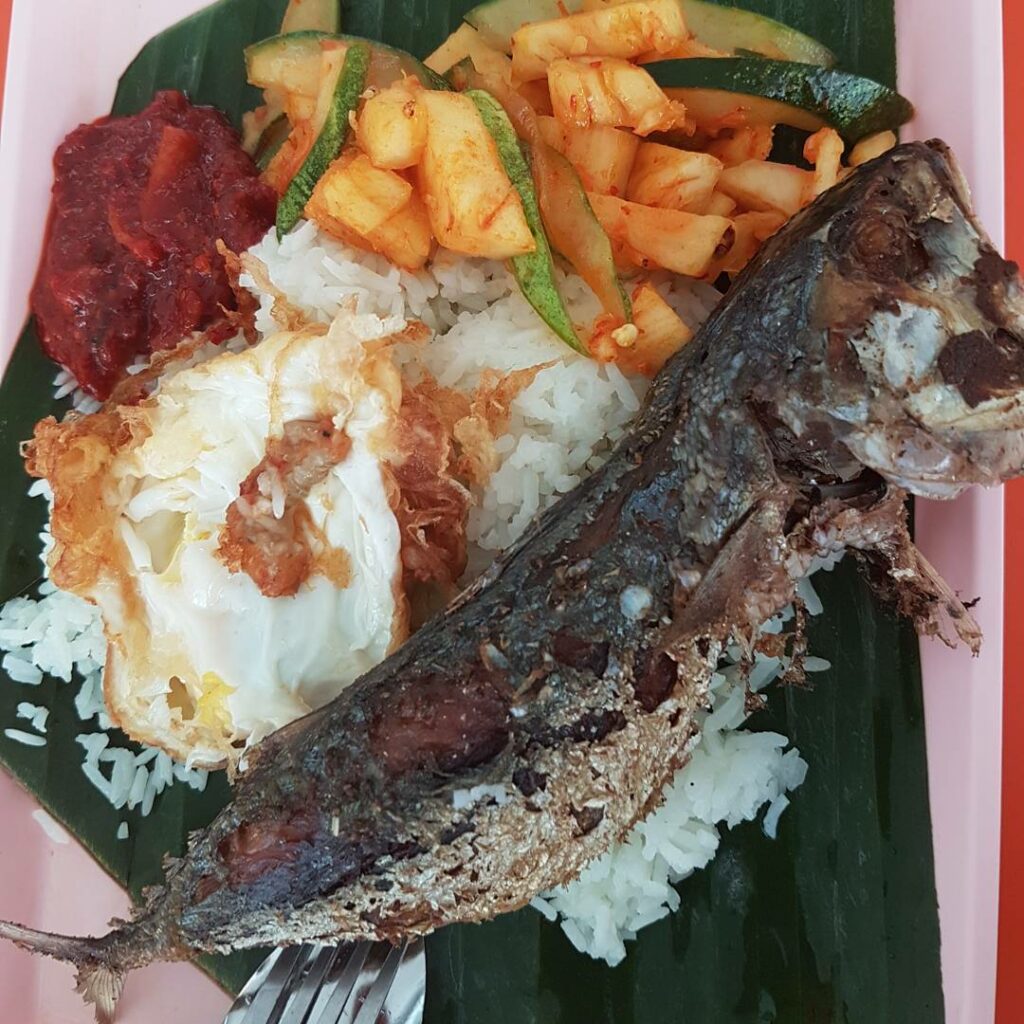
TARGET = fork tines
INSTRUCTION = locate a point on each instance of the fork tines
(335, 985)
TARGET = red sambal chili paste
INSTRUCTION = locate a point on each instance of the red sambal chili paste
(130, 264)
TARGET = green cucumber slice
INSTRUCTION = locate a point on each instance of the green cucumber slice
(853, 105)
(733, 29)
(577, 233)
(535, 271)
(715, 25)
(291, 61)
(708, 105)
(271, 141)
(350, 85)
(321, 15)
(568, 219)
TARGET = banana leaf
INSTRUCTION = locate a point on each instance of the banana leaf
(834, 921)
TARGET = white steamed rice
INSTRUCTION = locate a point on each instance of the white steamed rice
(562, 427)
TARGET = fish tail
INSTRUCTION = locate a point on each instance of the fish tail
(101, 985)
(101, 970)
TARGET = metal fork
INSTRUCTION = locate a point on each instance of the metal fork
(362, 984)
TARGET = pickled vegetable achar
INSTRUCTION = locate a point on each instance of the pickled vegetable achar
(130, 264)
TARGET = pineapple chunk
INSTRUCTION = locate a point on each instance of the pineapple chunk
(306, 121)
(763, 185)
(719, 204)
(646, 344)
(466, 42)
(672, 178)
(392, 128)
(689, 46)
(405, 239)
(626, 30)
(456, 47)
(751, 229)
(292, 67)
(360, 195)
(299, 108)
(870, 147)
(643, 236)
(611, 92)
(473, 206)
(554, 133)
(662, 331)
(602, 157)
(824, 149)
(292, 73)
(341, 209)
(737, 145)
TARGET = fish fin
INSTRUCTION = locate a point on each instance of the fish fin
(902, 575)
(898, 571)
(101, 985)
(100, 980)
(913, 584)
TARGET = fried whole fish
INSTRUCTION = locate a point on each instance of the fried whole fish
(874, 347)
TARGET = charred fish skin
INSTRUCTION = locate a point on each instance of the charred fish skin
(834, 378)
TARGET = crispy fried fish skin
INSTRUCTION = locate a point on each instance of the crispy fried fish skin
(874, 347)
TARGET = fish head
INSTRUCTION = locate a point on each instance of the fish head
(916, 329)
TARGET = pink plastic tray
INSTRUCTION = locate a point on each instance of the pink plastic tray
(65, 57)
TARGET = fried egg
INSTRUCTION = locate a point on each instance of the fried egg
(204, 657)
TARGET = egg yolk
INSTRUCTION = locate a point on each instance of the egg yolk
(211, 707)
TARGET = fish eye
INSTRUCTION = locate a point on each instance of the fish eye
(877, 239)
